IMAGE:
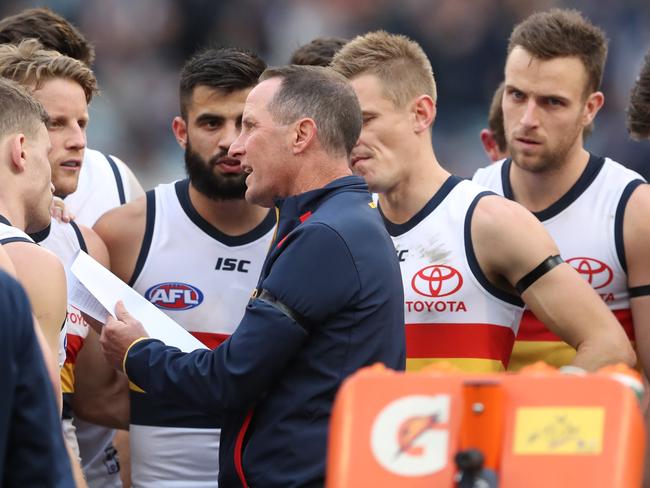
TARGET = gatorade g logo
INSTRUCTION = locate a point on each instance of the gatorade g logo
(597, 273)
(438, 280)
(409, 436)
(174, 296)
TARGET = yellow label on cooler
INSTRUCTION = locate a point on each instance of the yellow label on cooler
(559, 430)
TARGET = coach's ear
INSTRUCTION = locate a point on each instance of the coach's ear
(424, 111)
(179, 127)
(304, 132)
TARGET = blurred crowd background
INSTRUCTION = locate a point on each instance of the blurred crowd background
(142, 44)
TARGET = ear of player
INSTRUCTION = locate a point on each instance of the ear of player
(441, 427)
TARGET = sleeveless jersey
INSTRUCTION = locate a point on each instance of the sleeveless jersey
(103, 185)
(587, 226)
(66, 240)
(202, 279)
(452, 312)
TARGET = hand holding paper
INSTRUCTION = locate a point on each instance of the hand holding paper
(96, 291)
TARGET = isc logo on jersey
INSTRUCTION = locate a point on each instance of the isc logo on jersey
(174, 296)
(438, 281)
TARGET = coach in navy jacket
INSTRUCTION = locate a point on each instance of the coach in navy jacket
(329, 300)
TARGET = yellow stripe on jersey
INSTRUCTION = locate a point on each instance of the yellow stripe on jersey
(467, 365)
(554, 353)
(67, 378)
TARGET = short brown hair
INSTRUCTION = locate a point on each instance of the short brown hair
(226, 69)
(28, 63)
(638, 110)
(563, 33)
(495, 118)
(20, 111)
(400, 64)
(312, 91)
(54, 32)
(318, 52)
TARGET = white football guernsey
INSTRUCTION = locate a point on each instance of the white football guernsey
(103, 185)
(66, 240)
(202, 279)
(587, 226)
(452, 312)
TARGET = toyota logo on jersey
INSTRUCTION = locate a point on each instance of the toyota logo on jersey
(597, 273)
(410, 436)
(174, 296)
(438, 280)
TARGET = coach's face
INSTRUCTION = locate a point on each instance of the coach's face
(383, 145)
(263, 148)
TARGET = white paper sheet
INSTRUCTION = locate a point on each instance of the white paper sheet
(96, 290)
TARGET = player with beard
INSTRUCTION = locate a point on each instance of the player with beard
(194, 248)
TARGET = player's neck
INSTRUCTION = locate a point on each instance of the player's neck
(232, 217)
(13, 214)
(412, 192)
(538, 191)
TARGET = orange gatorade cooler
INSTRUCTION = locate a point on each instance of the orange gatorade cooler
(394, 429)
(540, 428)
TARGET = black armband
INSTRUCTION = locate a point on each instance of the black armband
(544, 267)
(639, 291)
(298, 318)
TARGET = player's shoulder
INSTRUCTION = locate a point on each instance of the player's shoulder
(486, 174)
(496, 214)
(30, 258)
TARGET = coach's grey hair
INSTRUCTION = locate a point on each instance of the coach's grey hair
(323, 96)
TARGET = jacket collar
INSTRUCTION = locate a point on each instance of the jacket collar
(298, 205)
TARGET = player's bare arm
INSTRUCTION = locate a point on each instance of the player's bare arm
(122, 230)
(41, 274)
(636, 235)
(510, 243)
(5, 263)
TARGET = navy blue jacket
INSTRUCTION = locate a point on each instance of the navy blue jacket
(329, 301)
(32, 453)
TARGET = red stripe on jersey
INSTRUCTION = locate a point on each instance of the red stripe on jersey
(532, 329)
(210, 339)
(480, 341)
(73, 345)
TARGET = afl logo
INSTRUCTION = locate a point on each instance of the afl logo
(409, 436)
(597, 273)
(174, 296)
(438, 280)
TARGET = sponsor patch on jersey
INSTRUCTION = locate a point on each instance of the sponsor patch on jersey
(437, 281)
(597, 273)
(174, 296)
